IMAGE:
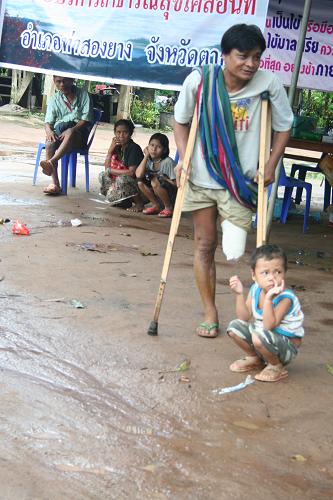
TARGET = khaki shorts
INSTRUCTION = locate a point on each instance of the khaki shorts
(276, 344)
(197, 197)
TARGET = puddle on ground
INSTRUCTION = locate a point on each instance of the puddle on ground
(318, 259)
(80, 418)
(7, 200)
(102, 247)
(90, 423)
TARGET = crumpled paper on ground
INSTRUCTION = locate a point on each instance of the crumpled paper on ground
(234, 388)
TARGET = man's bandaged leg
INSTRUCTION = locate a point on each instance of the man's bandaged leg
(233, 240)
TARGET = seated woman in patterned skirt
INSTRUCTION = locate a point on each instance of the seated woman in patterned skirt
(118, 181)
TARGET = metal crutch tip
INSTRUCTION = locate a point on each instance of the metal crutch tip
(153, 327)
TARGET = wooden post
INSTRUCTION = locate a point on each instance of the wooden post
(20, 82)
(124, 102)
(48, 91)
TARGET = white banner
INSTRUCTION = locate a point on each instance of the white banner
(154, 43)
(282, 32)
(151, 43)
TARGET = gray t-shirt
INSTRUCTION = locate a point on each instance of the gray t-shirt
(167, 166)
(246, 110)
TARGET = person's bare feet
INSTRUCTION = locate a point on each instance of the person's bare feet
(208, 330)
(154, 210)
(47, 166)
(52, 189)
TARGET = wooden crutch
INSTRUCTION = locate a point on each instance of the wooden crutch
(153, 327)
(264, 152)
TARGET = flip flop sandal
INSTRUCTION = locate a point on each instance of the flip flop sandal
(150, 211)
(165, 213)
(272, 373)
(246, 364)
(208, 327)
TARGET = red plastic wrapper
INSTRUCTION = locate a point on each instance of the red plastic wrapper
(19, 228)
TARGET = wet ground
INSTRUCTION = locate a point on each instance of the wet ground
(91, 407)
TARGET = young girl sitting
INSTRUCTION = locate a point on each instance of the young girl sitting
(156, 177)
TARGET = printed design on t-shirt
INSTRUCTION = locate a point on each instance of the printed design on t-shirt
(239, 110)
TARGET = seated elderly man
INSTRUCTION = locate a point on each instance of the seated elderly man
(67, 124)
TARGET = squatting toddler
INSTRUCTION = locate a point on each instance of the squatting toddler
(269, 324)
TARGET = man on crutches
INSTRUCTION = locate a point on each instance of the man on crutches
(224, 166)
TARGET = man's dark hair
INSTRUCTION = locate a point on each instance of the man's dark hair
(243, 37)
(268, 252)
(125, 123)
(164, 141)
(63, 77)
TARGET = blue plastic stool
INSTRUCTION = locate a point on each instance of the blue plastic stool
(41, 146)
(303, 169)
(290, 183)
(66, 161)
(69, 160)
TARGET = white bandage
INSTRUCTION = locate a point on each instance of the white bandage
(233, 240)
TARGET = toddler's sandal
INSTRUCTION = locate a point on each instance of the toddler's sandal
(272, 373)
(246, 364)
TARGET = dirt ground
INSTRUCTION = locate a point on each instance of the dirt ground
(88, 408)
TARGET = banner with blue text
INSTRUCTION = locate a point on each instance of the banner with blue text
(149, 43)
(282, 32)
(155, 43)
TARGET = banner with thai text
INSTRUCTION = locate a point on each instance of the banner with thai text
(148, 43)
(282, 32)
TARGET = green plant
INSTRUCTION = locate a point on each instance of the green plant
(36, 114)
(145, 112)
(167, 108)
(168, 93)
(319, 105)
(169, 99)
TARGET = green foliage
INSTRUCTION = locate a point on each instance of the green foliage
(36, 114)
(318, 105)
(79, 83)
(167, 108)
(145, 112)
(86, 84)
(168, 93)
